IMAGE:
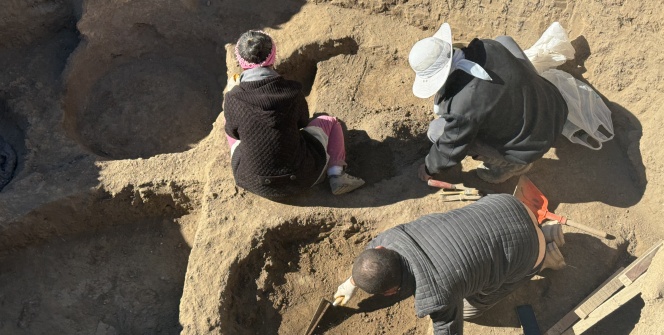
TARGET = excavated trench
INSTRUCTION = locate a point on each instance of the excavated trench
(96, 263)
(155, 90)
(292, 266)
(282, 275)
(301, 65)
(156, 103)
(146, 107)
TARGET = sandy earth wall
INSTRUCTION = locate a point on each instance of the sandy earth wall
(114, 109)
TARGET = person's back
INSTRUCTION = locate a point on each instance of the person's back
(493, 106)
(456, 254)
(519, 112)
(276, 151)
(457, 264)
(269, 114)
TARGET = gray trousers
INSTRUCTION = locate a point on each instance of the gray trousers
(478, 149)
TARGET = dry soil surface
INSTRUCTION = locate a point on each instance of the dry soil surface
(122, 216)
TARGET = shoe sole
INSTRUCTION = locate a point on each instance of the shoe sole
(347, 188)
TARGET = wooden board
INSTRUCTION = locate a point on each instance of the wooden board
(570, 318)
(608, 307)
(616, 282)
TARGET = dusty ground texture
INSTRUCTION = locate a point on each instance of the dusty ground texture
(122, 216)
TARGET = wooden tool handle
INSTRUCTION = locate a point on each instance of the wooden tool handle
(441, 184)
(586, 228)
(338, 300)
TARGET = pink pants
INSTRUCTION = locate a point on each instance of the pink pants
(332, 128)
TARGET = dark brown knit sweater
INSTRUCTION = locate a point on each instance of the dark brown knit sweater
(274, 158)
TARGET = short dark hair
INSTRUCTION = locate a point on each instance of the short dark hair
(254, 46)
(377, 270)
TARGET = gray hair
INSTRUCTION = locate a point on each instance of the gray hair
(254, 46)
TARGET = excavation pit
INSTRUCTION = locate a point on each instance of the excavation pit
(147, 107)
(292, 267)
(352, 58)
(97, 260)
(122, 280)
(286, 274)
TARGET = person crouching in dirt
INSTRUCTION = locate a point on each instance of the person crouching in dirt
(275, 150)
(491, 103)
(457, 264)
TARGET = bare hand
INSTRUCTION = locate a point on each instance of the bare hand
(422, 173)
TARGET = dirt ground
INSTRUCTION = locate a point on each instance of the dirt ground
(122, 216)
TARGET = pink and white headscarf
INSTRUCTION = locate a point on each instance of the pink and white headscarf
(269, 61)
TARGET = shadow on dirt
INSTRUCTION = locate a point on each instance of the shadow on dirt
(95, 263)
(621, 321)
(153, 85)
(614, 175)
(579, 175)
(253, 279)
(33, 52)
(383, 165)
(301, 65)
(554, 293)
(128, 279)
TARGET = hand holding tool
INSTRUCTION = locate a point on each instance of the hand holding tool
(345, 292)
(553, 232)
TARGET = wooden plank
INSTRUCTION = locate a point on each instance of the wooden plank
(569, 331)
(641, 264)
(597, 298)
(570, 318)
(629, 275)
(606, 290)
(608, 307)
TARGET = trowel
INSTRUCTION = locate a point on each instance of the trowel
(323, 306)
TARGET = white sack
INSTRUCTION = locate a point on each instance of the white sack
(551, 50)
(589, 120)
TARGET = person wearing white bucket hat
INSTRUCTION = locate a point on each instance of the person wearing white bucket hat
(491, 103)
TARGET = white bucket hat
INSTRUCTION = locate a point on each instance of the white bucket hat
(431, 59)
